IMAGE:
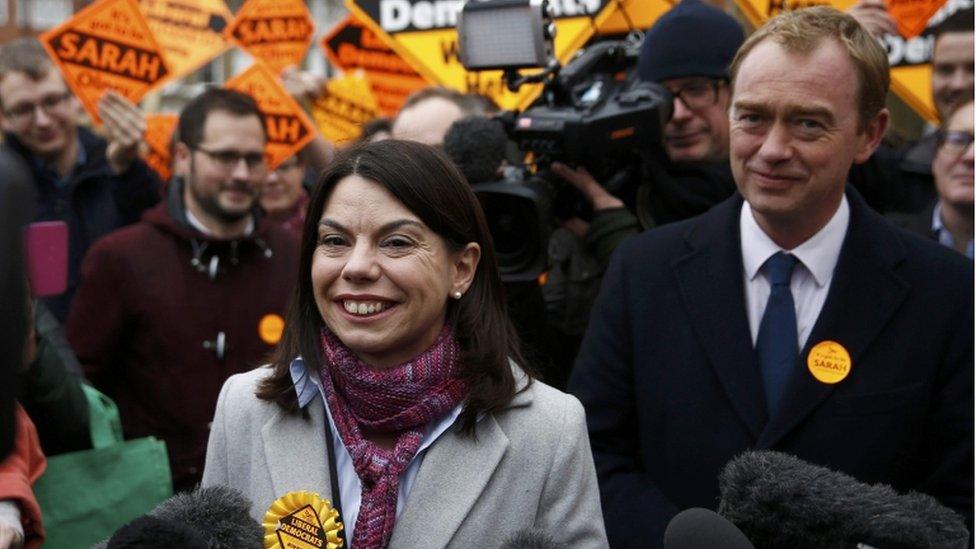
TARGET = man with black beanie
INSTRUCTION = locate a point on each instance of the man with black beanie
(690, 173)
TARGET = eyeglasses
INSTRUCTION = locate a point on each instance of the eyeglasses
(22, 113)
(228, 160)
(955, 142)
(698, 94)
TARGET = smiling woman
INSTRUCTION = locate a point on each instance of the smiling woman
(398, 391)
(381, 277)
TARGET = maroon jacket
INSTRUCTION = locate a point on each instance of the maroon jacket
(146, 322)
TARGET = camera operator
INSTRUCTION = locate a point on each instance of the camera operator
(691, 174)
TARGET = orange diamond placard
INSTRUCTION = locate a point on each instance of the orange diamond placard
(351, 45)
(277, 32)
(107, 45)
(912, 16)
(345, 106)
(159, 137)
(191, 32)
(289, 128)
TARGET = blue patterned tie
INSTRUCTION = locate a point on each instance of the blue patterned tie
(776, 343)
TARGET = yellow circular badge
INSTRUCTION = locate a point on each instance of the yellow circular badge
(829, 362)
(270, 328)
(301, 520)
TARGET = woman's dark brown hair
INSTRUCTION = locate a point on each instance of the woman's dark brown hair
(425, 181)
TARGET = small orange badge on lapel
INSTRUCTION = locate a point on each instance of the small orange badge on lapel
(829, 362)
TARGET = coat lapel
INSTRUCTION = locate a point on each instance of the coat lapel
(295, 452)
(710, 281)
(863, 294)
(455, 471)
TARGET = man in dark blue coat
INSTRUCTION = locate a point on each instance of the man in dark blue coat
(790, 317)
(93, 185)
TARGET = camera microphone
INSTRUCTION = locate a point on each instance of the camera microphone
(215, 517)
(698, 528)
(779, 500)
(477, 145)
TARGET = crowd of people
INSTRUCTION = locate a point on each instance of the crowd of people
(338, 324)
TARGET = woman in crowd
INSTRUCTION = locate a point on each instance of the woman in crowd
(398, 391)
(283, 196)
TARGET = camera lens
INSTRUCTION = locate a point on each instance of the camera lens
(514, 224)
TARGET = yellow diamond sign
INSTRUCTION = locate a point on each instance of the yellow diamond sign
(191, 32)
(346, 105)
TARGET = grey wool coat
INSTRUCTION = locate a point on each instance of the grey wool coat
(529, 467)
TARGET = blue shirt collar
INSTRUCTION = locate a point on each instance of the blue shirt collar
(82, 154)
(306, 385)
(942, 233)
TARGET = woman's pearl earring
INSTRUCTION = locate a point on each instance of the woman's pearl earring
(457, 295)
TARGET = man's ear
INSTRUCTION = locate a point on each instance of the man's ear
(872, 135)
(181, 158)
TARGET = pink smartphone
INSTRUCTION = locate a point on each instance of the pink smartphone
(46, 254)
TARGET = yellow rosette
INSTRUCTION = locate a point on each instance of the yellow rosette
(302, 520)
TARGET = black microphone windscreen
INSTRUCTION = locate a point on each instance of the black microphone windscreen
(699, 528)
(531, 539)
(218, 512)
(148, 532)
(476, 145)
(778, 500)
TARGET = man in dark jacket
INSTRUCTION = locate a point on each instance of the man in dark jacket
(93, 185)
(172, 306)
(791, 317)
(949, 219)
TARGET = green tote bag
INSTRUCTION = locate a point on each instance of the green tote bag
(86, 496)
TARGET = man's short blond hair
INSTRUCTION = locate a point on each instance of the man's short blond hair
(803, 30)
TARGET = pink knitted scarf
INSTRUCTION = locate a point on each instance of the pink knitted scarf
(402, 401)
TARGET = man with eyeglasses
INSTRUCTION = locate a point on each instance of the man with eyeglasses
(899, 180)
(949, 219)
(688, 51)
(172, 306)
(93, 185)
